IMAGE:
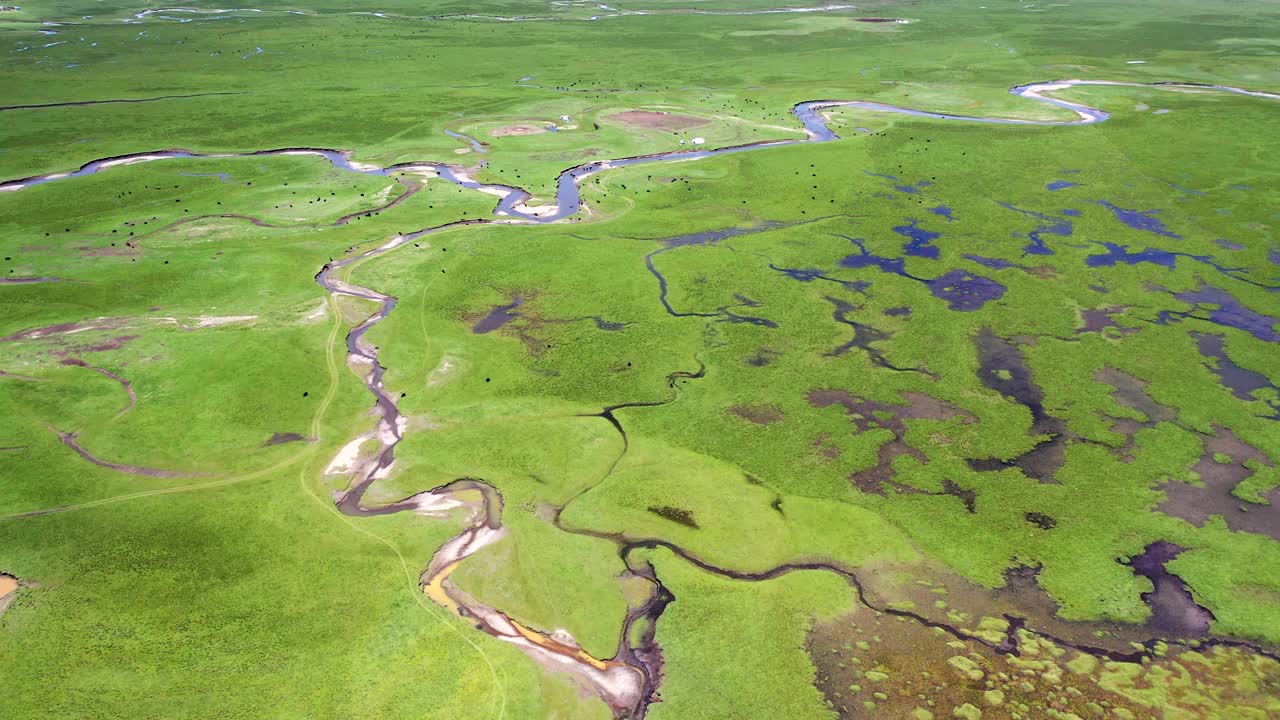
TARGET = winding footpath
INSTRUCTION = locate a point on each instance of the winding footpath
(628, 681)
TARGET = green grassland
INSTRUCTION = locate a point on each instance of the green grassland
(629, 401)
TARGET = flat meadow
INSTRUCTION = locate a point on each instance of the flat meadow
(940, 418)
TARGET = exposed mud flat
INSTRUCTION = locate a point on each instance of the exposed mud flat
(1131, 392)
(8, 590)
(1221, 469)
(658, 120)
(867, 415)
(518, 130)
(1103, 320)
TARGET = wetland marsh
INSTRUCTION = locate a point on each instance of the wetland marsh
(918, 388)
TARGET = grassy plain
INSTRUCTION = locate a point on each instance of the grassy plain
(229, 586)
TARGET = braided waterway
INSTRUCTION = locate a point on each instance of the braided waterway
(627, 682)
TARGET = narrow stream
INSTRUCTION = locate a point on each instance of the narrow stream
(474, 143)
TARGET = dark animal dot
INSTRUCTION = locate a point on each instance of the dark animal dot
(305, 394)
(486, 379)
